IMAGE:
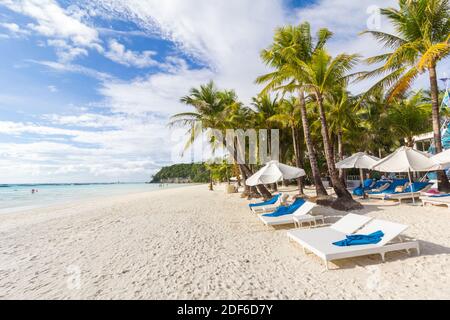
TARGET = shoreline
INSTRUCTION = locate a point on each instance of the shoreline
(90, 197)
(190, 243)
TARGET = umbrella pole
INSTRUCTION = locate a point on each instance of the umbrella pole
(411, 187)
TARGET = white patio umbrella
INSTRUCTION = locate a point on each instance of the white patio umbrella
(406, 159)
(443, 159)
(360, 160)
(274, 171)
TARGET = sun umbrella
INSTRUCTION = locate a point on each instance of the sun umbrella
(406, 159)
(273, 172)
(443, 159)
(360, 160)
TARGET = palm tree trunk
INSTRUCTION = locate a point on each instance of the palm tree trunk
(210, 182)
(338, 186)
(444, 184)
(341, 155)
(261, 188)
(298, 160)
(320, 189)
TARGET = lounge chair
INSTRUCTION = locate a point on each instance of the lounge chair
(367, 185)
(267, 206)
(442, 199)
(381, 194)
(412, 191)
(297, 214)
(320, 241)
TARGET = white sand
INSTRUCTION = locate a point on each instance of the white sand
(190, 243)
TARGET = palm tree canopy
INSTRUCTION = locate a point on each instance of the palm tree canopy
(421, 39)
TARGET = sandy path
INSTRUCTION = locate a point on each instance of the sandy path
(189, 243)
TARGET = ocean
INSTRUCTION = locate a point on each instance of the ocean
(18, 197)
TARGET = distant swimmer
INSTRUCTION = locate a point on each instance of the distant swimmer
(33, 191)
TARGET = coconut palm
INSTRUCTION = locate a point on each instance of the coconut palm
(421, 40)
(343, 120)
(320, 77)
(213, 109)
(342, 116)
(291, 45)
(410, 117)
(373, 116)
(289, 117)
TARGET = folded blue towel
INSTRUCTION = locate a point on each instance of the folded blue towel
(360, 239)
(285, 210)
(265, 203)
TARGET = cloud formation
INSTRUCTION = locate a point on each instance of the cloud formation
(128, 138)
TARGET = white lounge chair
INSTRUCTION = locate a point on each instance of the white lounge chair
(270, 207)
(435, 201)
(300, 216)
(407, 195)
(320, 241)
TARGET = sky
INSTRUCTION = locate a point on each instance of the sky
(87, 86)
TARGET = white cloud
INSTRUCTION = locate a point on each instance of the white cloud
(68, 34)
(123, 147)
(52, 88)
(14, 29)
(75, 68)
(159, 92)
(53, 21)
(66, 52)
(224, 36)
(118, 53)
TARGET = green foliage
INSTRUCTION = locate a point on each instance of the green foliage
(194, 172)
(220, 172)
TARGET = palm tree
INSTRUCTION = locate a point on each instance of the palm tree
(342, 119)
(213, 109)
(320, 77)
(410, 117)
(421, 41)
(292, 44)
(289, 117)
(376, 135)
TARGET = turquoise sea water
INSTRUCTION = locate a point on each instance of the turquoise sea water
(20, 197)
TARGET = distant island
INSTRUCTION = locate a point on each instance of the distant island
(182, 173)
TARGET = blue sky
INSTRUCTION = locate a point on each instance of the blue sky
(87, 87)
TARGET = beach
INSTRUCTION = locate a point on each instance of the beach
(191, 243)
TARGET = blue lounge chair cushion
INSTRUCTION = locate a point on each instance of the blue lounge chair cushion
(266, 203)
(368, 183)
(360, 239)
(391, 189)
(285, 210)
(358, 192)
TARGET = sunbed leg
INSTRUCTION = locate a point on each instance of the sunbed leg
(383, 256)
(327, 265)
